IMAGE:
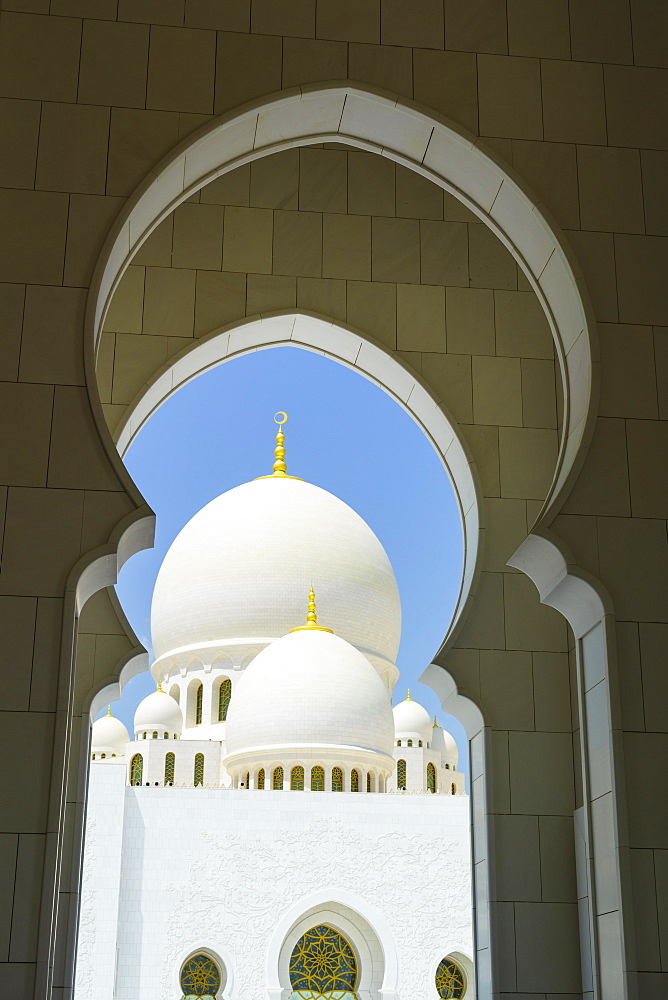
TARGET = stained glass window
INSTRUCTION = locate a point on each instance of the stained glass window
(369, 781)
(199, 768)
(431, 778)
(323, 964)
(169, 768)
(277, 779)
(337, 779)
(450, 981)
(401, 774)
(224, 696)
(200, 977)
(136, 769)
(165, 736)
(409, 743)
(354, 781)
(155, 734)
(297, 779)
(317, 779)
(198, 705)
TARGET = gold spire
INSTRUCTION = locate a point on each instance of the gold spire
(279, 466)
(311, 617)
(160, 686)
(436, 725)
(108, 711)
(408, 695)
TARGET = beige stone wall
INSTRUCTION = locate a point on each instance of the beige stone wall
(574, 98)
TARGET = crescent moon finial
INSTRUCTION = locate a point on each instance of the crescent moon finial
(281, 417)
(279, 451)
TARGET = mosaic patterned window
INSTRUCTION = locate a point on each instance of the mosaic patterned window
(155, 734)
(450, 981)
(165, 736)
(198, 705)
(199, 769)
(401, 774)
(277, 779)
(409, 743)
(260, 778)
(369, 781)
(224, 696)
(337, 779)
(431, 778)
(297, 779)
(200, 977)
(454, 789)
(136, 769)
(169, 768)
(247, 781)
(317, 779)
(354, 781)
(323, 964)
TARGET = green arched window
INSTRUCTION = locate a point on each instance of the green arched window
(260, 778)
(165, 736)
(200, 977)
(224, 696)
(155, 734)
(199, 769)
(323, 964)
(297, 779)
(337, 779)
(450, 981)
(317, 779)
(169, 768)
(401, 774)
(198, 705)
(354, 781)
(136, 769)
(277, 779)
(431, 778)
(409, 743)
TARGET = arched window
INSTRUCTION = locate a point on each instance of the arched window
(297, 778)
(369, 781)
(200, 977)
(136, 769)
(317, 779)
(323, 964)
(398, 743)
(144, 736)
(199, 769)
(155, 734)
(409, 743)
(198, 705)
(450, 981)
(431, 778)
(447, 767)
(454, 788)
(401, 774)
(169, 768)
(354, 781)
(337, 779)
(165, 736)
(247, 780)
(224, 695)
(419, 743)
(260, 778)
(277, 779)
(102, 756)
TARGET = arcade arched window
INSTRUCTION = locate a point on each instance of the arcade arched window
(431, 778)
(323, 964)
(224, 696)
(454, 789)
(369, 781)
(354, 781)
(198, 705)
(450, 982)
(401, 774)
(277, 779)
(136, 769)
(337, 779)
(169, 768)
(317, 779)
(199, 769)
(200, 977)
(155, 734)
(297, 779)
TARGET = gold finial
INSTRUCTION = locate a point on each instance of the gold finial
(408, 695)
(311, 617)
(160, 686)
(108, 711)
(280, 418)
(436, 725)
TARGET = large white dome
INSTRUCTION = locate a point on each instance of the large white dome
(310, 690)
(241, 567)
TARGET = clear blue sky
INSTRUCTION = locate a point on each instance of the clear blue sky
(345, 435)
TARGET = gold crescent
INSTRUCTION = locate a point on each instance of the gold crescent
(281, 413)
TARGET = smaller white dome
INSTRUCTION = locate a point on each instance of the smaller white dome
(445, 744)
(411, 719)
(109, 735)
(159, 711)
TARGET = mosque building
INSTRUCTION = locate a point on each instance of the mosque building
(210, 867)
